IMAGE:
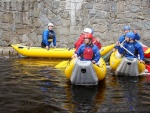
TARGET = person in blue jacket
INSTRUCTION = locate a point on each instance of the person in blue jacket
(88, 51)
(48, 36)
(132, 46)
(126, 30)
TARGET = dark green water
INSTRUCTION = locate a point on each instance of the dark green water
(35, 86)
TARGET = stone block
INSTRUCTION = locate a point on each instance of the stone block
(147, 25)
(2, 4)
(7, 18)
(134, 9)
(114, 7)
(63, 30)
(26, 19)
(44, 19)
(18, 17)
(74, 30)
(136, 25)
(121, 5)
(145, 3)
(21, 31)
(6, 52)
(87, 6)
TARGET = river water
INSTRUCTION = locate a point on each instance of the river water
(35, 86)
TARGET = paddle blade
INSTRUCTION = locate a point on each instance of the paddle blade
(62, 64)
(148, 67)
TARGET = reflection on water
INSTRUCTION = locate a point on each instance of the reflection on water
(35, 86)
(85, 99)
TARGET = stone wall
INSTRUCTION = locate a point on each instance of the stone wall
(22, 21)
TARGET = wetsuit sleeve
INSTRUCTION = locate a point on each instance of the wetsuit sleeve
(140, 51)
(120, 49)
(137, 37)
(121, 39)
(79, 51)
(96, 54)
(45, 36)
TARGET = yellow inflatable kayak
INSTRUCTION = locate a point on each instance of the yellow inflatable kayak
(85, 72)
(125, 66)
(43, 52)
(53, 52)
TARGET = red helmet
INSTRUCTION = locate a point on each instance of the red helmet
(88, 35)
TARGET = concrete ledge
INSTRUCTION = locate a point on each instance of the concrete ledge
(7, 51)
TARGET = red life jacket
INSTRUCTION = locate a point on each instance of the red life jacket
(88, 53)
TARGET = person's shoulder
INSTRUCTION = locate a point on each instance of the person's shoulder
(138, 45)
(82, 45)
(94, 46)
(122, 36)
(45, 30)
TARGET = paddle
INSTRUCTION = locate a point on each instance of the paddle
(147, 66)
(63, 64)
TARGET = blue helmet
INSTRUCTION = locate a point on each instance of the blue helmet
(126, 28)
(130, 35)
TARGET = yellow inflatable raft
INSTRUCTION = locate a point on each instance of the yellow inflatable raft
(26, 51)
(43, 52)
(125, 66)
(85, 72)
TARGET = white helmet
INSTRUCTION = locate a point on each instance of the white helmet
(50, 24)
(88, 30)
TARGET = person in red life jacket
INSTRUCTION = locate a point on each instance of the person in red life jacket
(88, 51)
(81, 39)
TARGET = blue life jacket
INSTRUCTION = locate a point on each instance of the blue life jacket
(135, 48)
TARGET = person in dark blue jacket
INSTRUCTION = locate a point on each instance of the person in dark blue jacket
(133, 48)
(48, 36)
(88, 51)
(126, 30)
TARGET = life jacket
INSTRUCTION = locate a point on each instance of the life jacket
(50, 37)
(135, 51)
(88, 53)
(132, 49)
